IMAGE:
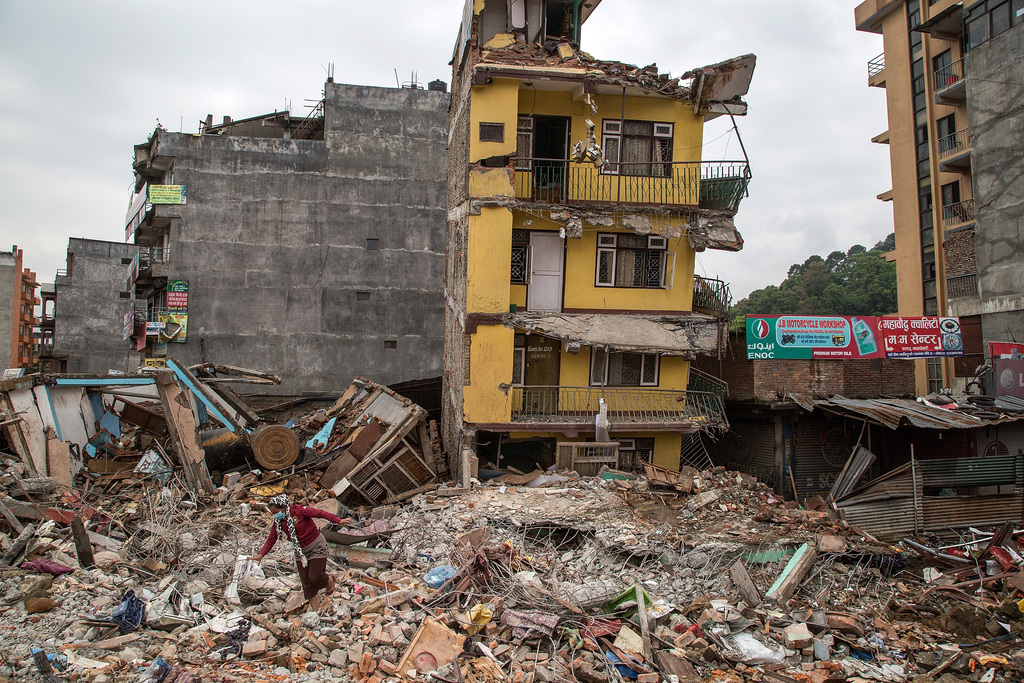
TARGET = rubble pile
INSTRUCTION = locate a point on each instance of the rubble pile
(527, 578)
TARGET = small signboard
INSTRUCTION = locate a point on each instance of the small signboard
(177, 296)
(167, 194)
(845, 337)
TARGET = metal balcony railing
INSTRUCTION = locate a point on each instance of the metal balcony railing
(876, 66)
(147, 257)
(711, 296)
(153, 315)
(949, 77)
(958, 213)
(625, 406)
(962, 286)
(700, 381)
(955, 144)
(708, 184)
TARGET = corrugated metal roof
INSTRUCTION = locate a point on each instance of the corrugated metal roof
(895, 412)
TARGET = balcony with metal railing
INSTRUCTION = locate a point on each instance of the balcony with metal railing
(707, 184)
(950, 84)
(876, 71)
(627, 407)
(153, 255)
(959, 214)
(711, 296)
(962, 286)
(955, 151)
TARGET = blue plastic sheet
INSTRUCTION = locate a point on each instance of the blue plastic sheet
(129, 614)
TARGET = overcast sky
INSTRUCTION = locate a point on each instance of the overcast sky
(85, 81)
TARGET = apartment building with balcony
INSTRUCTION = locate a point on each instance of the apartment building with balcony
(577, 198)
(307, 247)
(17, 317)
(953, 75)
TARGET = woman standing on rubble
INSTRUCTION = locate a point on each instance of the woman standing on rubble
(295, 524)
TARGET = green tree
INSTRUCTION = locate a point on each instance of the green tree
(858, 282)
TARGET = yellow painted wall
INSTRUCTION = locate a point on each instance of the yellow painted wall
(666, 444)
(489, 267)
(686, 139)
(490, 366)
(490, 182)
(581, 270)
(493, 103)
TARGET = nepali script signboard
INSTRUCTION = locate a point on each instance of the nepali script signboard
(841, 337)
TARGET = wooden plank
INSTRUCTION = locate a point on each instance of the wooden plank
(83, 546)
(182, 426)
(58, 458)
(747, 589)
(14, 553)
(677, 666)
(433, 638)
(641, 615)
(793, 575)
(11, 519)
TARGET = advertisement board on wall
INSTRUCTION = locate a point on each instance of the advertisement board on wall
(177, 296)
(841, 337)
(175, 327)
(167, 194)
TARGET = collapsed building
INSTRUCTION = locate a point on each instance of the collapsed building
(577, 198)
(270, 241)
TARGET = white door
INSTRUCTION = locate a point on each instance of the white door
(545, 292)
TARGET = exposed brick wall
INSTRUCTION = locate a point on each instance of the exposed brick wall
(872, 379)
(959, 248)
(772, 380)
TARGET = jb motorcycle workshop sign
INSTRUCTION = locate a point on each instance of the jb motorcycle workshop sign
(843, 337)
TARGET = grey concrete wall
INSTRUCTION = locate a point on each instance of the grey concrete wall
(89, 312)
(10, 289)
(273, 243)
(995, 115)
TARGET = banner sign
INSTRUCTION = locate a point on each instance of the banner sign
(1005, 350)
(175, 328)
(1010, 377)
(154, 329)
(167, 194)
(843, 337)
(177, 296)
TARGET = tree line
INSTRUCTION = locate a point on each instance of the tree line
(858, 282)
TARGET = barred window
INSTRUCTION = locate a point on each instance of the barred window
(520, 271)
(623, 369)
(633, 261)
(637, 148)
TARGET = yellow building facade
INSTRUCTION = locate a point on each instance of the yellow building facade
(577, 201)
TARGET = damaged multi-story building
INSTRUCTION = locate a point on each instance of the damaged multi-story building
(577, 199)
(17, 316)
(953, 79)
(307, 247)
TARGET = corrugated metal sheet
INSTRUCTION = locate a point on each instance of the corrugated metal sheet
(893, 412)
(961, 472)
(887, 505)
(748, 447)
(973, 511)
(821, 451)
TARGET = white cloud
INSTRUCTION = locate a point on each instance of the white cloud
(84, 82)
